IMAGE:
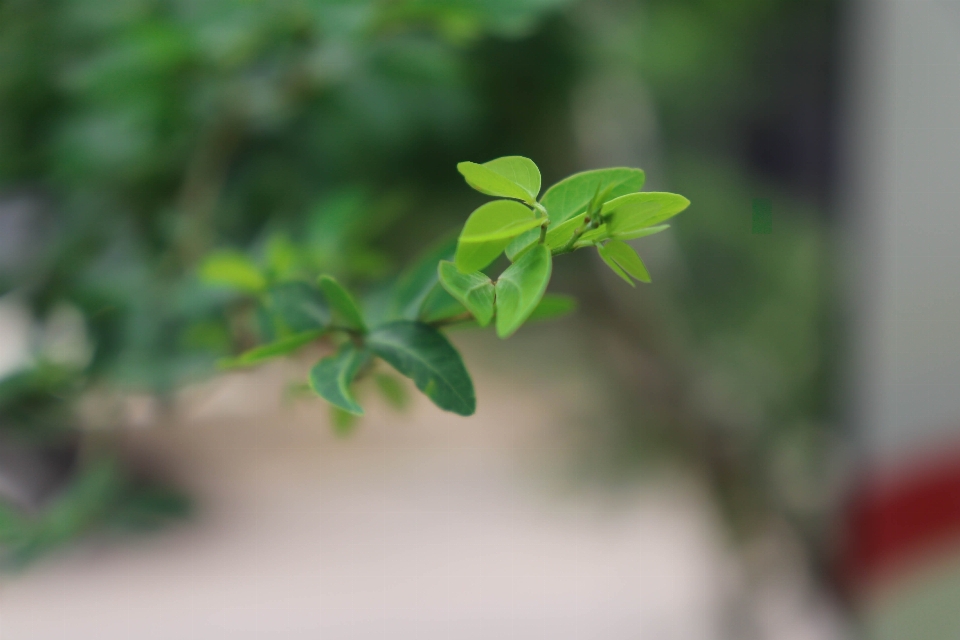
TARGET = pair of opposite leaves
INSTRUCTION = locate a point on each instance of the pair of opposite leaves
(511, 226)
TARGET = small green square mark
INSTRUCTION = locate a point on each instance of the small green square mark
(762, 216)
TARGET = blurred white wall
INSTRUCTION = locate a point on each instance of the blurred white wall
(902, 133)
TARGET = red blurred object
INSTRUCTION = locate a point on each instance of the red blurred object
(899, 519)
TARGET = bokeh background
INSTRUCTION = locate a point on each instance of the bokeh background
(669, 462)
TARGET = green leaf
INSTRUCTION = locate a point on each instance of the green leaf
(473, 290)
(557, 236)
(571, 195)
(331, 377)
(553, 305)
(345, 309)
(489, 230)
(299, 306)
(440, 305)
(521, 243)
(615, 267)
(423, 354)
(283, 257)
(567, 201)
(232, 269)
(343, 422)
(520, 289)
(272, 350)
(507, 177)
(622, 258)
(628, 215)
(393, 390)
(418, 281)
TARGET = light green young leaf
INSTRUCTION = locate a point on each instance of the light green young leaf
(615, 267)
(271, 350)
(521, 243)
(489, 230)
(232, 269)
(553, 305)
(626, 259)
(331, 377)
(571, 195)
(520, 289)
(418, 281)
(423, 354)
(473, 290)
(343, 422)
(345, 309)
(393, 390)
(626, 216)
(557, 236)
(507, 177)
(597, 236)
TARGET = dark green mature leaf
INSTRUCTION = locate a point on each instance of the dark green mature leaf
(489, 230)
(474, 290)
(299, 306)
(571, 195)
(423, 354)
(418, 281)
(629, 215)
(331, 377)
(346, 313)
(521, 287)
(507, 177)
(623, 259)
(234, 270)
(272, 350)
(553, 305)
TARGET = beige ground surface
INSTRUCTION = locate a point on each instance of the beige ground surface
(421, 526)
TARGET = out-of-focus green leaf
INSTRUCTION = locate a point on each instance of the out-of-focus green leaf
(489, 230)
(331, 377)
(232, 269)
(299, 306)
(507, 177)
(416, 282)
(273, 350)
(283, 257)
(423, 354)
(393, 390)
(440, 305)
(570, 196)
(520, 289)
(343, 422)
(474, 290)
(346, 312)
(553, 305)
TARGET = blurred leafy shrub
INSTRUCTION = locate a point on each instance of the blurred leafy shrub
(142, 134)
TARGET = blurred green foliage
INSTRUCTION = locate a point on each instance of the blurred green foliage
(320, 136)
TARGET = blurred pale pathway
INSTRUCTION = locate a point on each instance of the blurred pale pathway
(421, 526)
